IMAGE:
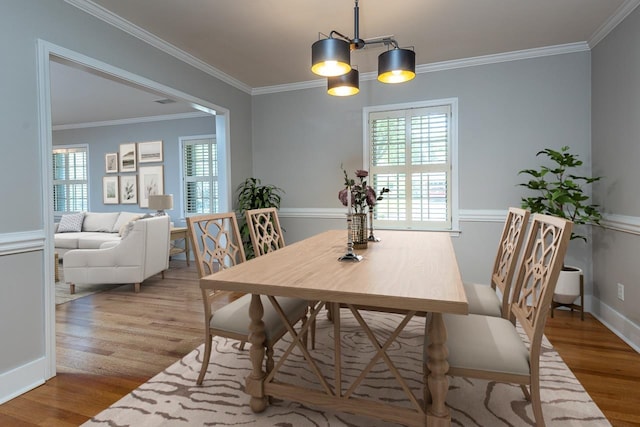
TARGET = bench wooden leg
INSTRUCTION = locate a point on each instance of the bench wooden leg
(72, 288)
(136, 287)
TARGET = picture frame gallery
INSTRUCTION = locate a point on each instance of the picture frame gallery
(133, 188)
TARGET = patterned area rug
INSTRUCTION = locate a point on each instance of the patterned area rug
(171, 398)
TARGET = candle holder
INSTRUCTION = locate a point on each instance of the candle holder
(350, 256)
(371, 237)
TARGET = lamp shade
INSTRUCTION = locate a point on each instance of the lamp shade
(330, 57)
(396, 66)
(161, 202)
(345, 85)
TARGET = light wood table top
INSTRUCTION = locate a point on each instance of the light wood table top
(408, 270)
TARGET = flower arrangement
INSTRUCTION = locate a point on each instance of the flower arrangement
(363, 196)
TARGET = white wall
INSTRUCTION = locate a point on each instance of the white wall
(616, 155)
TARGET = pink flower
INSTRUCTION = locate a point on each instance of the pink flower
(371, 196)
(362, 173)
(342, 196)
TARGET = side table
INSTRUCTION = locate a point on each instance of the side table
(179, 233)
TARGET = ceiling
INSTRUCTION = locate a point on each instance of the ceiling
(268, 42)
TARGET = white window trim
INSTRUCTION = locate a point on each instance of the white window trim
(453, 103)
(222, 178)
(57, 214)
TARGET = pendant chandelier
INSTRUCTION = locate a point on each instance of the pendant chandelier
(331, 58)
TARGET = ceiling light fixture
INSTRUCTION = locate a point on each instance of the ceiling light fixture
(331, 58)
(344, 85)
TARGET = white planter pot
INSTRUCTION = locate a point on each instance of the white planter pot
(568, 286)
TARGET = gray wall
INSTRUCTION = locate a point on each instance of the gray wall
(26, 240)
(107, 139)
(616, 155)
(507, 113)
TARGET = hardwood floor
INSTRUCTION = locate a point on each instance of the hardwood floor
(607, 367)
(111, 342)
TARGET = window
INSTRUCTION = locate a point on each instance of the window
(411, 151)
(200, 173)
(70, 184)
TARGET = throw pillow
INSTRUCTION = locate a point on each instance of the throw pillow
(101, 222)
(123, 230)
(70, 223)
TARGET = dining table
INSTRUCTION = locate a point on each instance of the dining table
(411, 272)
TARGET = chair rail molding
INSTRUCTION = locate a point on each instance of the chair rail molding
(466, 215)
(24, 241)
(622, 223)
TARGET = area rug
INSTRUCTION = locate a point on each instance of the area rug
(63, 295)
(172, 398)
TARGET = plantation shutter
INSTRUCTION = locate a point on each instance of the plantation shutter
(200, 174)
(410, 154)
(70, 183)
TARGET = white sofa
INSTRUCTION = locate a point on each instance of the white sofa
(91, 230)
(142, 252)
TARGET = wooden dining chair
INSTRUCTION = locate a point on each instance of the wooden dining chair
(491, 348)
(216, 243)
(265, 231)
(483, 299)
(266, 236)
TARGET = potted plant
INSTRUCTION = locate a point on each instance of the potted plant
(253, 195)
(560, 192)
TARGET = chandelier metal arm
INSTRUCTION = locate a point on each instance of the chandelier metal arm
(342, 36)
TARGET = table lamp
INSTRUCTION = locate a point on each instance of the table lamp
(161, 202)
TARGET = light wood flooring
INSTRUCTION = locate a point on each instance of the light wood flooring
(111, 342)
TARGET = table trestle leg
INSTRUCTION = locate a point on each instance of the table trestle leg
(298, 340)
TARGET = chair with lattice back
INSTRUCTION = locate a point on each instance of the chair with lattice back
(265, 231)
(266, 236)
(483, 299)
(216, 243)
(491, 348)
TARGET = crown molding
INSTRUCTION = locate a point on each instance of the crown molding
(622, 12)
(103, 14)
(131, 121)
(110, 18)
(516, 55)
(445, 65)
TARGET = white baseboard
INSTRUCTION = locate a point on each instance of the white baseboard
(22, 379)
(623, 327)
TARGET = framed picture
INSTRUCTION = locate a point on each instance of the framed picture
(111, 162)
(110, 190)
(149, 152)
(128, 189)
(150, 182)
(128, 157)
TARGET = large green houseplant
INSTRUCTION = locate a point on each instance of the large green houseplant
(561, 192)
(252, 194)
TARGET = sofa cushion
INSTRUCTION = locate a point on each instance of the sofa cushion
(90, 240)
(100, 221)
(66, 240)
(70, 223)
(123, 220)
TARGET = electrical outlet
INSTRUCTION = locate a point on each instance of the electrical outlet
(621, 291)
